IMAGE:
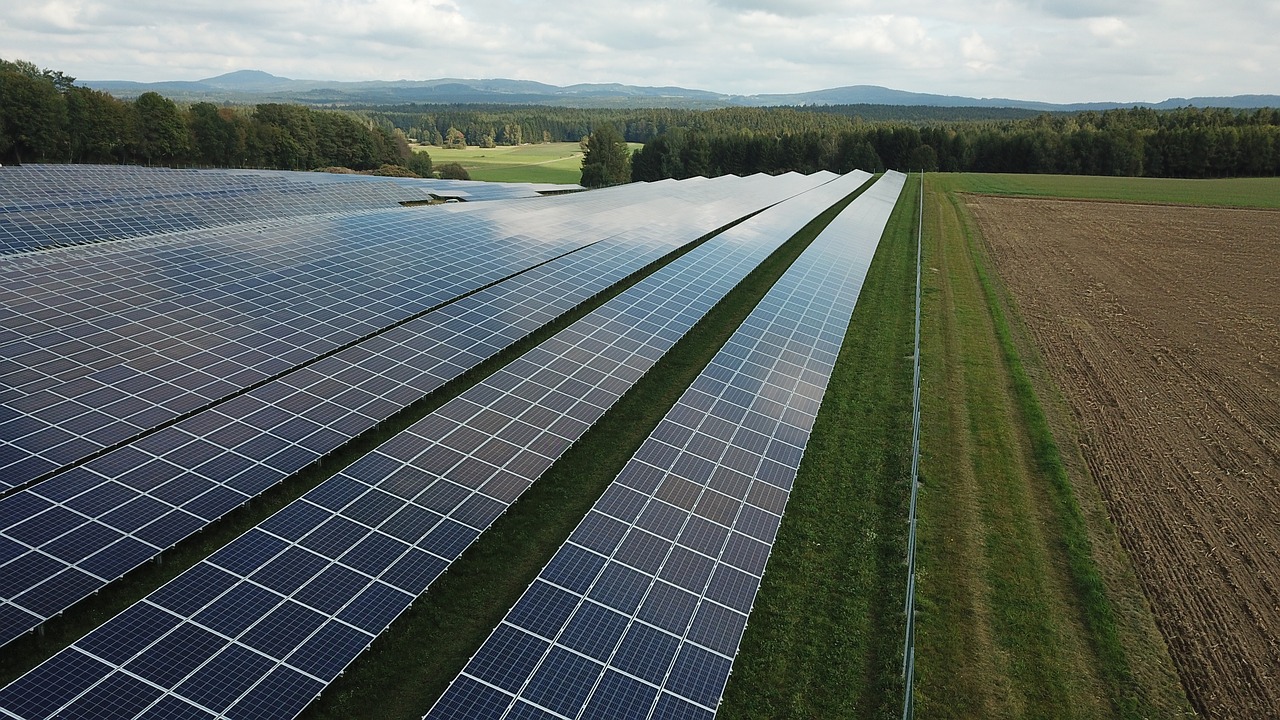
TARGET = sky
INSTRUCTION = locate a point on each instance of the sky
(1045, 50)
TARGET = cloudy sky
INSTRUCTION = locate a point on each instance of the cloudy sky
(1049, 50)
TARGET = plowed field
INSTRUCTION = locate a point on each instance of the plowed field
(1160, 325)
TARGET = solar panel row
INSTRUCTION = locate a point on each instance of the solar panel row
(640, 613)
(265, 623)
(53, 205)
(97, 349)
(68, 536)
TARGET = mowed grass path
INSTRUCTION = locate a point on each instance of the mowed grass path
(541, 163)
(1026, 600)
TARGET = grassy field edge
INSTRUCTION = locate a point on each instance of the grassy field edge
(1099, 600)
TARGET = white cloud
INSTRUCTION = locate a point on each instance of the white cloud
(1111, 30)
(1056, 50)
(978, 56)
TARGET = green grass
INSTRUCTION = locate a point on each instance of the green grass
(1236, 192)
(825, 635)
(1016, 617)
(542, 163)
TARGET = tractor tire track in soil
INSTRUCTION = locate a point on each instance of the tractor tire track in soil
(1159, 323)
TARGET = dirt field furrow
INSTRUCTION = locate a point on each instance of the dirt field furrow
(1160, 325)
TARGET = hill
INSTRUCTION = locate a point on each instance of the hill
(255, 86)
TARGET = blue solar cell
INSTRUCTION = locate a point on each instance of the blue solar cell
(167, 530)
(284, 629)
(176, 655)
(543, 609)
(239, 608)
(470, 699)
(698, 675)
(123, 636)
(253, 550)
(332, 589)
(329, 650)
(295, 520)
(225, 677)
(670, 707)
(410, 524)
(335, 536)
(562, 682)
(449, 539)
(117, 696)
(414, 571)
(594, 631)
(507, 658)
(374, 554)
(44, 527)
(172, 707)
(289, 570)
(620, 587)
(57, 592)
(73, 545)
(599, 532)
(573, 569)
(283, 693)
(51, 685)
(193, 589)
(375, 608)
(620, 698)
(117, 558)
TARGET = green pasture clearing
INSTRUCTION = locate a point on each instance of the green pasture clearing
(542, 163)
(1232, 192)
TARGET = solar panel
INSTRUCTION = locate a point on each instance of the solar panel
(103, 519)
(56, 205)
(639, 614)
(101, 346)
(350, 555)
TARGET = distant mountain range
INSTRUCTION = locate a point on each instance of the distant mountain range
(255, 86)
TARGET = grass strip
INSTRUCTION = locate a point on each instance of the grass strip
(1127, 696)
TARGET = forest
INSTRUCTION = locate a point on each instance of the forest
(46, 117)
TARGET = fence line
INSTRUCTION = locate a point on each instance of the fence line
(909, 643)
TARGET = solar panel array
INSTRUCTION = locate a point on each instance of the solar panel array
(640, 613)
(98, 346)
(54, 205)
(265, 623)
(74, 533)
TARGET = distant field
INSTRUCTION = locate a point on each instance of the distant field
(1234, 192)
(542, 163)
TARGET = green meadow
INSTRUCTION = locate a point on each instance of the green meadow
(559, 163)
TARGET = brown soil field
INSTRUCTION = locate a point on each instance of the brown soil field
(1159, 324)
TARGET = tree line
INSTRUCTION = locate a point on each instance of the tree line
(1138, 142)
(45, 117)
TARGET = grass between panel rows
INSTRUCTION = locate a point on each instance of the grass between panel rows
(825, 636)
(409, 667)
